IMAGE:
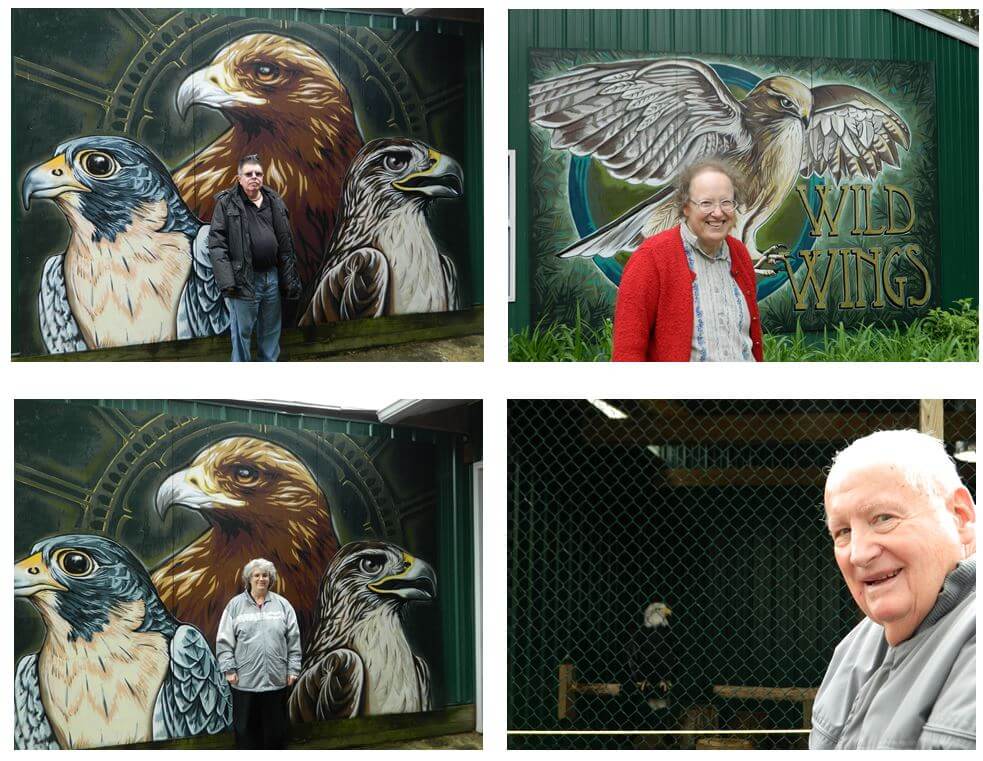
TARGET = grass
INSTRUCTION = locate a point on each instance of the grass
(944, 335)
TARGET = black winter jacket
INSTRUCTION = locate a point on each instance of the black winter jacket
(228, 243)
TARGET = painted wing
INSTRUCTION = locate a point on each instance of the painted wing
(423, 679)
(59, 330)
(450, 282)
(330, 689)
(32, 731)
(203, 310)
(643, 120)
(851, 134)
(354, 285)
(194, 697)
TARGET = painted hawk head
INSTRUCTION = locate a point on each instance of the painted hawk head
(83, 579)
(366, 576)
(107, 182)
(778, 99)
(249, 483)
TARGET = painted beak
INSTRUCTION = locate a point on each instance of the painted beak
(211, 87)
(31, 575)
(444, 178)
(190, 488)
(50, 179)
(417, 582)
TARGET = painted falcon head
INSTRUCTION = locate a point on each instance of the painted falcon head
(252, 484)
(777, 99)
(108, 182)
(85, 581)
(366, 576)
(265, 77)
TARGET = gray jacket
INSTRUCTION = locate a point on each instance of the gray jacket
(920, 694)
(262, 645)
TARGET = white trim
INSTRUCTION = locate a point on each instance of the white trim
(478, 471)
(941, 24)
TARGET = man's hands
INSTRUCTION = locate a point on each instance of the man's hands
(232, 678)
(291, 680)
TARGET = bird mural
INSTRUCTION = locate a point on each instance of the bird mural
(358, 662)
(136, 267)
(382, 258)
(645, 120)
(259, 500)
(286, 103)
(652, 659)
(115, 666)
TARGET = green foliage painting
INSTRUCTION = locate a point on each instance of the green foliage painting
(839, 156)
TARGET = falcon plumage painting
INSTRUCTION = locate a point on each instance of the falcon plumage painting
(383, 258)
(115, 666)
(259, 500)
(645, 120)
(284, 102)
(136, 267)
(359, 663)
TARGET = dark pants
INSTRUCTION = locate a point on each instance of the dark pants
(262, 314)
(259, 719)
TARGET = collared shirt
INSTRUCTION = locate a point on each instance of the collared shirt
(262, 236)
(261, 643)
(721, 320)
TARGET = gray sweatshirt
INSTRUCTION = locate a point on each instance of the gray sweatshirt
(261, 644)
(918, 695)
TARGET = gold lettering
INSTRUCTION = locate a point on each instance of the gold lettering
(817, 221)
(873, 258)
(913, 253)
(847, 302)
(857, 195)
(896, 297)
(893, 190)
(870, 212)
(810, 259)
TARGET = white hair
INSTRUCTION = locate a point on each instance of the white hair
(920, 458)
(261, 564)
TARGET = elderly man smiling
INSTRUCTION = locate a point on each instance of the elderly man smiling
(904, 537)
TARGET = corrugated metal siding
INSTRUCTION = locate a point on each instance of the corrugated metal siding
(867, 34)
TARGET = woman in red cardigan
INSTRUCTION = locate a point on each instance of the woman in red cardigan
(689, 293)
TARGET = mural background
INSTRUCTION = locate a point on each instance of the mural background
(87, 468)
(117, 72)
(572, 196)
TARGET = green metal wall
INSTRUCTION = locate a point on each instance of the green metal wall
(868, 34)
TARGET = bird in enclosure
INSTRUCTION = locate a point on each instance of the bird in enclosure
(136, 268)
(115, 666)
(652, 659)
(359, 662)
(383, 258)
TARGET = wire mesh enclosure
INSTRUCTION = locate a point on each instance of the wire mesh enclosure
(671, 580)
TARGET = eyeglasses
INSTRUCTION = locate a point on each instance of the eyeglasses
(252, 174)
(726, 206)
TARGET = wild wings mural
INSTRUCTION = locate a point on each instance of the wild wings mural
(840, 206)
(121, 144)
(131, 530)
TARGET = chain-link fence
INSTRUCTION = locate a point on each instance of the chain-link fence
(712, 509)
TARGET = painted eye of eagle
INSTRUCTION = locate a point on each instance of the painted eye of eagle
(371, 564)
(75, 562)
(266, 72)
(98, 164)
(244, 474)
(786, 103)
(397, 161)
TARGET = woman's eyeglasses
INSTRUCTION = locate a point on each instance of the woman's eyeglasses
(726, 206)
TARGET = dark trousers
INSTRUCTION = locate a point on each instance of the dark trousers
(259, 719)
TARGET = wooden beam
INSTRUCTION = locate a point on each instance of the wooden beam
(745, 692)
(296, 343)
(564, 696)
(931, 418)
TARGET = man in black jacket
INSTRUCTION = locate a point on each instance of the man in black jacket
(252, 254)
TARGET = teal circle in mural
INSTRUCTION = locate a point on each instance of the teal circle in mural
(597, 199)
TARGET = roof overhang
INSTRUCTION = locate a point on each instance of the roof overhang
(941, 24)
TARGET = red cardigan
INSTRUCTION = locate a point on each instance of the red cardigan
(653, 317)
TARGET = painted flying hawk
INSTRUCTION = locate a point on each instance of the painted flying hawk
(115, 666)
(383, 259)
(284, 102)
(136, 269)
(259, 501)
(646, 120)
(358, 662)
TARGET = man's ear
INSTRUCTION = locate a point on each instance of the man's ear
(964, 511)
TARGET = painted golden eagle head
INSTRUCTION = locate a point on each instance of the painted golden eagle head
(249, 484)
(267, 78)
(779, 98)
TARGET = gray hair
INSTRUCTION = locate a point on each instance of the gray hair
(689, 173)
(920, 458)
(261, 564)
(252, 158)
